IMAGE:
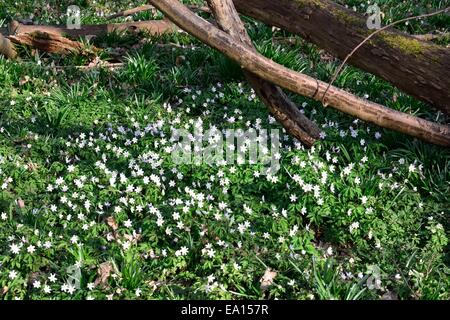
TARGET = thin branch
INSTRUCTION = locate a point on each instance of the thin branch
(431, 36)
(132, 11)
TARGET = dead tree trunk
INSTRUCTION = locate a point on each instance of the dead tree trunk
(50, 42)
(300, 83)
(283, 109)
(417, 67)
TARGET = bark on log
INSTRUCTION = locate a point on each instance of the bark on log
(49, 42)
(417, 67)
(282, 108)
(300, 83)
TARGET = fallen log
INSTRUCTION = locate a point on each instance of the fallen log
(51, 43)
(416, 67)
(300, 83)
(52, 38)
(282, 108)
(155, 27)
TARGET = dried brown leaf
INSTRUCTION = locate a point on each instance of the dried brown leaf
(103, 274)
(24, 80)
(32, 166)
(267, 278)
(110, 221)
(134, 238)
(4, 290)
(21, 203)
(179, 60)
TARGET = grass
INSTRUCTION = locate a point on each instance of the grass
(87, 178)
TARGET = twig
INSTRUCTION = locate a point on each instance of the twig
(130, 12)
(431, 36)
(286, 40)
(110, 66)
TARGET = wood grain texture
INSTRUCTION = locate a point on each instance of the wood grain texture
(50, 42)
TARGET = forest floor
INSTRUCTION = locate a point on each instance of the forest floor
(89, 184)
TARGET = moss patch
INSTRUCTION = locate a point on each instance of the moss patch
(347, 18)
(405, 44)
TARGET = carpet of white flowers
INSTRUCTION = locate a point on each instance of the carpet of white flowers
(88, 183)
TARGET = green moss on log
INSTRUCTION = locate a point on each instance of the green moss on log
(347, 18)
(405, 44)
